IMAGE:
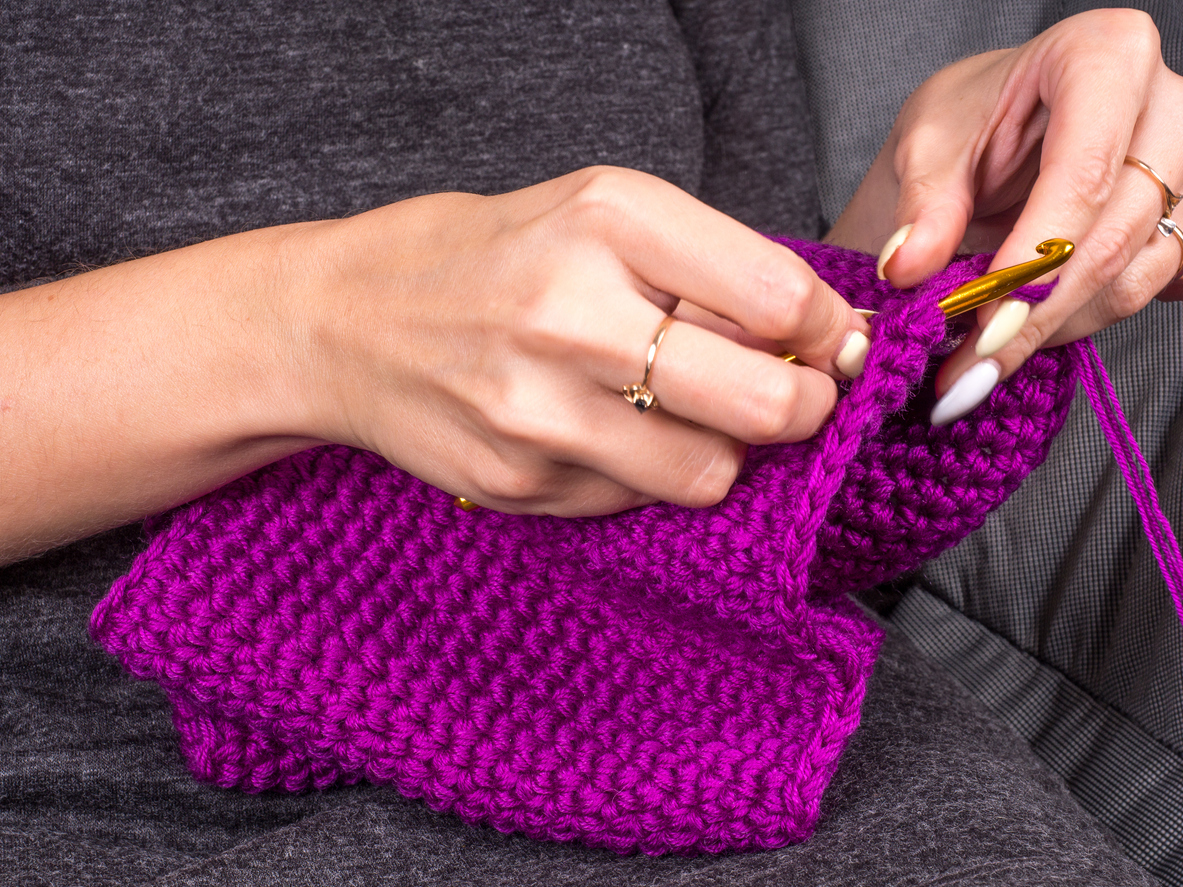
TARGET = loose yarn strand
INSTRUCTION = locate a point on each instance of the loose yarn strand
(1101, 394)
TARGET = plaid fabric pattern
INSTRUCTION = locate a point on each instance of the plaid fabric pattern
(1055, 615)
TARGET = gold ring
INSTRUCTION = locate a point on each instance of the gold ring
(1166, 227)
(1169, 198)
(639, 395)
(467, 505)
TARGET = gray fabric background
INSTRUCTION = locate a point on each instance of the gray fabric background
(133, 128)
(130, 128)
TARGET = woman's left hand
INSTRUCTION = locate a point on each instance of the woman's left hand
(1007, 149)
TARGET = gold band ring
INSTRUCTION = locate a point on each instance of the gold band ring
(1170, 199)
(639, 395)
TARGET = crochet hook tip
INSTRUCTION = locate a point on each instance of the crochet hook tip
(982, 290)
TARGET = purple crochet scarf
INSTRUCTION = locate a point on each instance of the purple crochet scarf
(664, 679)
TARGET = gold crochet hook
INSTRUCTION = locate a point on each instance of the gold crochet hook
(995, 285)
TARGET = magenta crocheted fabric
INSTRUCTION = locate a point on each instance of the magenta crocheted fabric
(665, 679)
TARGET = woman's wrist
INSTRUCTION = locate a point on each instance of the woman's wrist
(136, 387)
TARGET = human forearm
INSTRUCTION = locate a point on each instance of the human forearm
(130, 389)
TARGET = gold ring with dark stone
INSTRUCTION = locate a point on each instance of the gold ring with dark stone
(639, 395)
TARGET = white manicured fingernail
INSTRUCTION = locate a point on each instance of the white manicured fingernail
(893, 243)
(967, 392)
(853, 355)
(1003, 326)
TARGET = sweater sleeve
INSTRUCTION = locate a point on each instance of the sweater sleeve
(758, 162)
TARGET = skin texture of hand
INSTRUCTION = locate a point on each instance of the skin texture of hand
(1007, 149)
(478, 342)
(481, 343)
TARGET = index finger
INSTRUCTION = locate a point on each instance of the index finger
(676, 244)
(1083, 147)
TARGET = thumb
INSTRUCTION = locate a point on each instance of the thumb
(940, 137)
(935, 205)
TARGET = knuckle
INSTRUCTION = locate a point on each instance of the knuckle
(546, 320)
(1113, 250)
(500, 480)
(516, 415)
(713, 478)
(916, 141)
(913, 191)
(822, 408)
(778, 300)
(540, 322)
(601, 195)
(919, 142)
(1026, 343)
(1091, 178)
(1134, 32)
(1128, 38)
(920, 192)
(771, 409)
(1130, 293)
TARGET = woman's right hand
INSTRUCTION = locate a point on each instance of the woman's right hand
(481, 343)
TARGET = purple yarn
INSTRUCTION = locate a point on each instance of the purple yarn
(664, 679)
(1134, 469)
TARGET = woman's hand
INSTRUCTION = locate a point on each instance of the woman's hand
(1007, 149)
(478, 342)
(481, 342)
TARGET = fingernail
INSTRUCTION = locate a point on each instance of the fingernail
(853, 355)
(1002, 327)
(967, 392)
(893, 243)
